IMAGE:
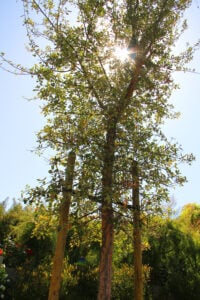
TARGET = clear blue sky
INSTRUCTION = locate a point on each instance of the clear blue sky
(20, 119)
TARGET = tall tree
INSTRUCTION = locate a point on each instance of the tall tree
(90, 93)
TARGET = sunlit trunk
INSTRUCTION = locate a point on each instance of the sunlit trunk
(58, 259)
(105, 269)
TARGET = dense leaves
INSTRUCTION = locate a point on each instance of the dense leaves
(171, 260)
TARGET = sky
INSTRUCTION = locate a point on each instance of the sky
(20, 118)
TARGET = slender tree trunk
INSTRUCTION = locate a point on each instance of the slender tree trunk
(105, 269)
(57, 268)
(138, 280)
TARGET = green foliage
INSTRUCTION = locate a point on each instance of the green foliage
(85, 89)
(32, 279)
(171, 260)
(189, 216)
(3, 281)
(83, 240)
(27, 259)
(122, 286)
(9, 219)
(79, 281)
(174, 260)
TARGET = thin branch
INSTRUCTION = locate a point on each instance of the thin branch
(104, 71)
(44, 14)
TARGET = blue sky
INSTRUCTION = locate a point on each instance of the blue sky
(20, 119)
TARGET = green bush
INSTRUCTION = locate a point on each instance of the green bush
(3, 281)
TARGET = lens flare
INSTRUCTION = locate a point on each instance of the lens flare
(121, 53)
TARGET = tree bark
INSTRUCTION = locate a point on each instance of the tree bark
(105, 268)
(57, 268)
(138, 279)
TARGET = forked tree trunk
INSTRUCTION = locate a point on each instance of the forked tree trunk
(58, 259)
(105, 268)
(138, 278)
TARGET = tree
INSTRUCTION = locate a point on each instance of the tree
(173, 257)
(138, 282)
(90, 94)
(188, 220)
(62, 231)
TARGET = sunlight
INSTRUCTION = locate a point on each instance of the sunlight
(121, 53)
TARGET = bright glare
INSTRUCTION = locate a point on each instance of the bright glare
(121, 53)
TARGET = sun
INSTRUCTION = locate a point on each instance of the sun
(121, 53)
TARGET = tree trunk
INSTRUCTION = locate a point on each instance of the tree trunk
(57, 268)
(138, 279)
(105, 269)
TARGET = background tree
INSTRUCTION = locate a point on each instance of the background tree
(173, 257)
